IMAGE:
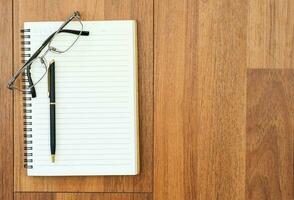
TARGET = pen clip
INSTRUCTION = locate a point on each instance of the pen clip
(52, 62)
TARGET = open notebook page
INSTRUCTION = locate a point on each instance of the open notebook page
(96, 103)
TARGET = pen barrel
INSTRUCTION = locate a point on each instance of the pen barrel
(52, 109)
(52, 129)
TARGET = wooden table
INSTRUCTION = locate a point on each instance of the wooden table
(216, 101)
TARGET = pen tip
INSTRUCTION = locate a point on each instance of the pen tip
(53, 158)
(52, 61)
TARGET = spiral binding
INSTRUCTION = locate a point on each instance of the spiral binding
(28, 142)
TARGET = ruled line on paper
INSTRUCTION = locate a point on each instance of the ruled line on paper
(89, 132)
(65, 148)
(84, 164)
(79, 154)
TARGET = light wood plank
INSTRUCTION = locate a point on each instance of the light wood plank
(200, 76)
(142, 11)
(221, 88)
(169, 100)
(6, 102)
(270, 126)
(271, 34)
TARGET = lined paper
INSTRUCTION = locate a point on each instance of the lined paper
(96, 103)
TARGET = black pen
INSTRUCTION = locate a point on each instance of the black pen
(51, 93)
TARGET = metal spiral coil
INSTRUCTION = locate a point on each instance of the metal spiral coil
(27, 111)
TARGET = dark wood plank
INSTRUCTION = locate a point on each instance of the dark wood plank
(270, 126)
(142, 11)
(6, 102)
(200, 76)
(271, 34)
(83, 196)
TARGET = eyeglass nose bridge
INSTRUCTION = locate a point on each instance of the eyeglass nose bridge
(50, 48)
(53, 49)
(45, 53)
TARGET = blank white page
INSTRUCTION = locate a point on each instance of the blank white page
(96, 103)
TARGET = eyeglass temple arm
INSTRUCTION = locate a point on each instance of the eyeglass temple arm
(83, 33)
(33, 90)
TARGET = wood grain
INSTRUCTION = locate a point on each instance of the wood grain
(82, 196)
(215, 137)
(200, 76)
(6, 102)
(269, 134)
(271, 34)
(142, 11)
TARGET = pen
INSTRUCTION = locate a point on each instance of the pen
(51, 93)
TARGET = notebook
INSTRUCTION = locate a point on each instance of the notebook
(96, 103)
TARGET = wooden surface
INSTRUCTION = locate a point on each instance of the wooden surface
(269, 134)
(270, 33)
(217, 77)
(6, 102)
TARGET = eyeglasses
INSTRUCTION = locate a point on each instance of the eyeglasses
(58, 42)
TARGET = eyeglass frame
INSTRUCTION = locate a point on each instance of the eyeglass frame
(27, 64)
